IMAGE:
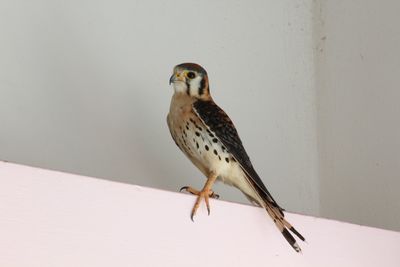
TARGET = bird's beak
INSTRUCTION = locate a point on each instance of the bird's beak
(172, 79)
(176, 77)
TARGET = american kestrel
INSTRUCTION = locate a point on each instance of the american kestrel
(207, 136)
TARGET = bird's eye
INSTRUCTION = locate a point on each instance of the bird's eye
(191, 75)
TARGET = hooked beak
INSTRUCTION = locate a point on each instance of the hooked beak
(176, 77)
(172, 79)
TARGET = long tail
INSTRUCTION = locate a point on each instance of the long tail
(283, 225)
(263, 198)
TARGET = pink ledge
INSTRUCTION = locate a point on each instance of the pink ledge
(50, 218)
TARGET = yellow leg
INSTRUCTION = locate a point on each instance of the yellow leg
(205, 193)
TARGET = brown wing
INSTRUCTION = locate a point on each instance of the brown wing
(221, 125)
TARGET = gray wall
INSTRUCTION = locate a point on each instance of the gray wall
(84, 88)
(359, 111)
(312, 87)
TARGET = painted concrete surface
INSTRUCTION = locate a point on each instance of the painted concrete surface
(51, 218)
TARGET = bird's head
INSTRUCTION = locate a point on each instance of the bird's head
(190, 79)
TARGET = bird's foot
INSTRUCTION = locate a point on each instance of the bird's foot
(193, 191)
(206, 193)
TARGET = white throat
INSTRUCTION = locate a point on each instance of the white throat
(181, 87)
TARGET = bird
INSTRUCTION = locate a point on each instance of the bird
(208, 137)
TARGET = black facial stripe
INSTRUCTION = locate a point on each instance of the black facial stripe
(202, 86)
(187, 88)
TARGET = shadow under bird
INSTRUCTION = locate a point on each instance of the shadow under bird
(207, 136)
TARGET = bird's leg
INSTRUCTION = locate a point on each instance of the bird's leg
(205, 193)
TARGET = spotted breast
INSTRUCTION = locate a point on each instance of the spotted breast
(202, 146)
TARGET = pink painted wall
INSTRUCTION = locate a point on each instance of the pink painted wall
(56, 219)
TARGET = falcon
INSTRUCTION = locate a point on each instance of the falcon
(207, 136)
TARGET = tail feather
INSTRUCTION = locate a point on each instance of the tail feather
(283, 226)
(289, 238)
(265, 200)
(294, 231)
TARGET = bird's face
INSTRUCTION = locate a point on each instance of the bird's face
(190, 79)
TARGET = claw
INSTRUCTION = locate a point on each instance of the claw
(183, 188)
(191, 216)
(214, 196)
(207, 204)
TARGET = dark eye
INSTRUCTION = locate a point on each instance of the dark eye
(191, 75)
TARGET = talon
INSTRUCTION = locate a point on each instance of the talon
(207, 204)
(183, 188)
(214, 196)
(191, 216)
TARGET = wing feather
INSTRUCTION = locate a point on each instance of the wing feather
(222, 126)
